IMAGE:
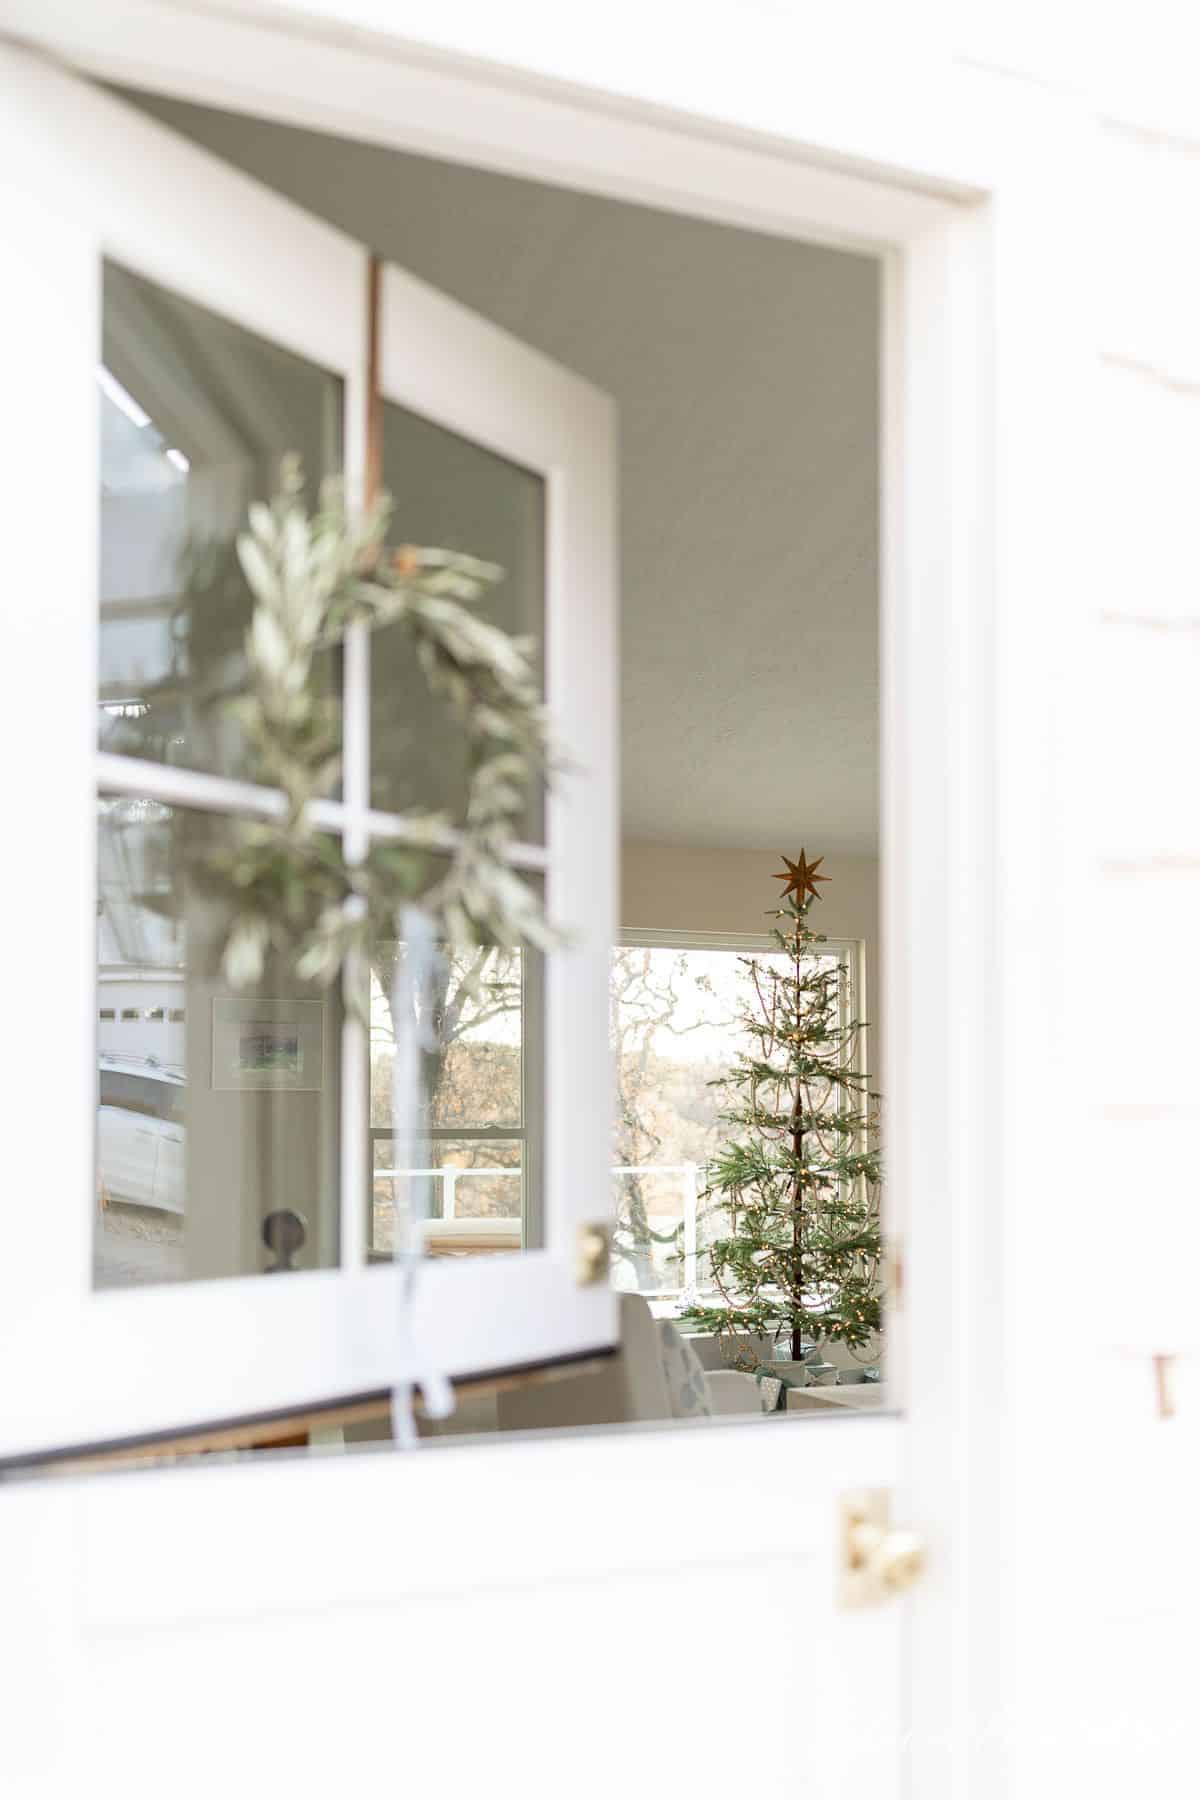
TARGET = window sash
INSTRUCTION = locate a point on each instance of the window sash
(358, 825)
(104, 181)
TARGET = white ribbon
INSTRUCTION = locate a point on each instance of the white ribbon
(418, 964)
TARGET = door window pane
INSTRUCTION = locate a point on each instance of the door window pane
(453, 495)
(474, 1077)
(195, 416)
(480, 1120)
(214, 1109)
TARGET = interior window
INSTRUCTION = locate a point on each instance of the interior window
(675, 1031)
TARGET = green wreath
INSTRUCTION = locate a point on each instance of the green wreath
(287, 884)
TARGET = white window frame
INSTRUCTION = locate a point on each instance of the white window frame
(126, 1365)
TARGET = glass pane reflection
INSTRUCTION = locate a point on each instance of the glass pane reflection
(455, 495)
(195, 415)
(480, 1127)
(474, 1078)
(214, 1109)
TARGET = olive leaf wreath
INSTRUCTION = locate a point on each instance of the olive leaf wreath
(288, 884)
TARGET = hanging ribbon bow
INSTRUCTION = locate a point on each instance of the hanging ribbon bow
(418, 967)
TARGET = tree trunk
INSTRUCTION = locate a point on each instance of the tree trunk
(641, 1252)
(797, 1232)
(798, 1198)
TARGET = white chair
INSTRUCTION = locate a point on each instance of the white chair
(655, 1375)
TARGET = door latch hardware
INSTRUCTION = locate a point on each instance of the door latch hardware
(876, 1561)
(894, 1278)
(1164, 1385)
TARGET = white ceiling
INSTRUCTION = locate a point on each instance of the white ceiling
(745, 373)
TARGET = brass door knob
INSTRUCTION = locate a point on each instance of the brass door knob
(878, 1560)
(892, 1559)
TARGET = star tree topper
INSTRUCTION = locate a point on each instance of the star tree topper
(801, 878)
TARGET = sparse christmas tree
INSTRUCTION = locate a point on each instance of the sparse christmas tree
(797, 1186)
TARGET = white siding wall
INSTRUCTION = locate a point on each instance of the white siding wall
(1107, 1589)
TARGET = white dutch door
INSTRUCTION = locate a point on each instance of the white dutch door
(604, 1598)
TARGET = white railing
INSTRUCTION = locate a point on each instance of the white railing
(449, 1178)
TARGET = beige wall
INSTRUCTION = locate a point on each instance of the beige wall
(667, 887)
(672, 888)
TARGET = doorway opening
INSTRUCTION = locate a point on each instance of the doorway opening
(745, 371)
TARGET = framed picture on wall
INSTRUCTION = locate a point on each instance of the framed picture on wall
(274, 1044)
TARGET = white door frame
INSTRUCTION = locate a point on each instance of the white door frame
(944, 822)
